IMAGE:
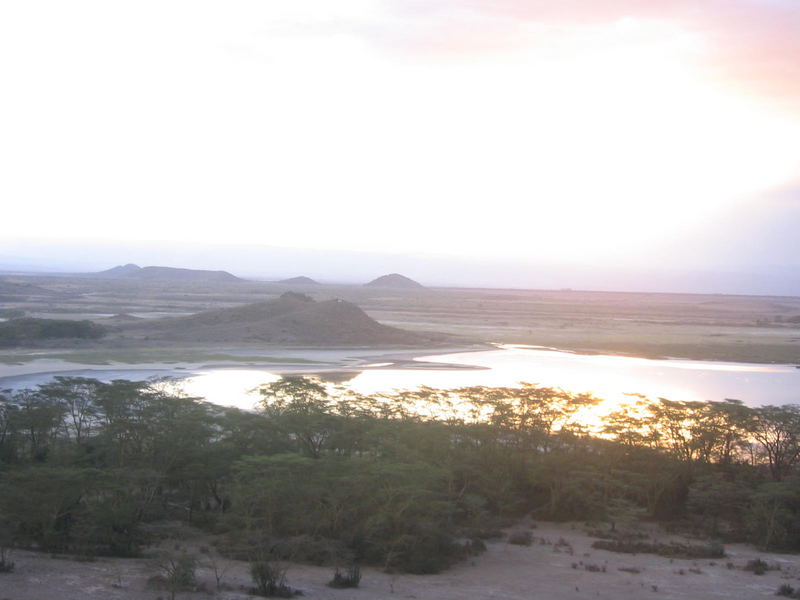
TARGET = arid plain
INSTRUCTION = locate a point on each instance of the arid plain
(711, 327)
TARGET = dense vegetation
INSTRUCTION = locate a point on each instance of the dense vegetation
(404, 481)
(26, 330)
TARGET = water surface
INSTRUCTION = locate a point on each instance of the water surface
(606, 376)
(609, 377)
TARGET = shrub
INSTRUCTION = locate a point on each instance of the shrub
(520, 538)
(594, 568)
(563, 545)
(6, 566)
(485, 533)
(787, 591)
(422, 554)
(349, 579)
(311, 549)
(672, 550)
(269, 579)
(757, 566)
(176, 573)
(475, 546)
(633, 570)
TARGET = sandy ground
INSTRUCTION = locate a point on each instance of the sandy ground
(548, 570)
(36, 367)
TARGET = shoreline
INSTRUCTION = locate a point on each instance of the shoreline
(339, 360)
(309, 361)
(374, 370)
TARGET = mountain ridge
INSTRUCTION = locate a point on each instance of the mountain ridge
(158, 273)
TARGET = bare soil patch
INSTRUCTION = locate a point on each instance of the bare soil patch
(559, 564)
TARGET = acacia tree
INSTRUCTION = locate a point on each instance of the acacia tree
(677, 422)
(43, 502)
(723, 431)
(630, 428)
(123, 418)
(777, 429)
(78, 397)
(37, 420)
(531, 413)
(7, 449)
(302, 408)
(717, 499)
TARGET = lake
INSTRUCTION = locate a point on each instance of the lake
(606, 376)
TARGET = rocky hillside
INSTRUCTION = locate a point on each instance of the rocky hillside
(290, 319)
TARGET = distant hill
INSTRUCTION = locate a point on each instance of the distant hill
(395, 280)
(131, 271)
(302, 280)
(292, 318)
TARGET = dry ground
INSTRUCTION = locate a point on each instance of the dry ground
(544, 571)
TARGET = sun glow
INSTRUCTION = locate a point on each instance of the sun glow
(617, 148)
(575, 142)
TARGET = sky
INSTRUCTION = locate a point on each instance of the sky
(587, 135)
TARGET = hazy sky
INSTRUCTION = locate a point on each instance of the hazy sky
(595, 132)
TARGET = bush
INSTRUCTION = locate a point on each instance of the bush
(520, 538)
(176, 573)
(672, 550)
(563, 545)
(475, 546)
(270, 579)
(757, 566)
(423, 554)
(349, 579)
(310, 549)
(633, 570)
(6, 566)
(787, 591)
(485, 533)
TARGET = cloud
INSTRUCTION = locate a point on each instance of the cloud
(500, 128)
(749, 44)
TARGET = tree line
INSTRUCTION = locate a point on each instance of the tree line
(405, 480)
(20, 330)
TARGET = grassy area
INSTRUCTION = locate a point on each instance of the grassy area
(725, 328)
(745, 344)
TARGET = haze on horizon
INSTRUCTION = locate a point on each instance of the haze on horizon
(616, 134)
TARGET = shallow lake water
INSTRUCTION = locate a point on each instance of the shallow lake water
(609, 377)
(612, 378)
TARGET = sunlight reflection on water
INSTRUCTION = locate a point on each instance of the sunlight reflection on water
(613, 378)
